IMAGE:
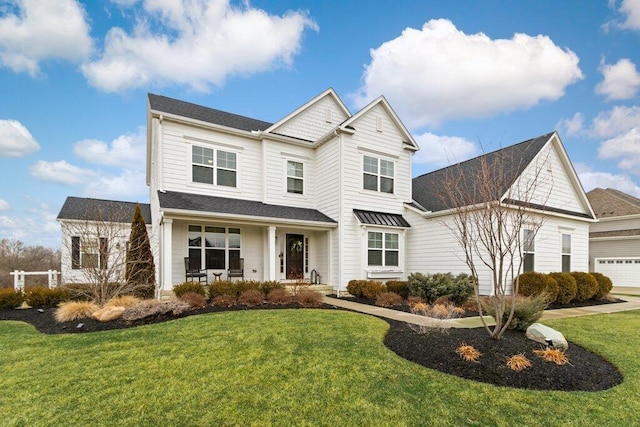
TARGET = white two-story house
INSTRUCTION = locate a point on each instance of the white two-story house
(320, 192)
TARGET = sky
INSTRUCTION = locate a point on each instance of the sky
(465, 77)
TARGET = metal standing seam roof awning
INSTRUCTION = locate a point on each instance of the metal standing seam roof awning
(381, 218)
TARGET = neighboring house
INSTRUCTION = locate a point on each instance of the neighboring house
(94, 237)
(614, 241)
(555, 197)
(326, 191)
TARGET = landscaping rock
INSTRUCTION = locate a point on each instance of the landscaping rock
(547, 336)
(107, 314)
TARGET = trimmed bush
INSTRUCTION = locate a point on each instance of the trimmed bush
(587, 285)
(371, 289)
(10, 298)
(251, 297)
(74, 310)
(354, 287)
(528, 310)
(400, 287)
(388, 299)
(223, 301)
(40, 297)
(267, 287)
(604, 285)
(567, 287)
(232, 288)
(462, 289)
(194, 299)
(430, 287)
(309, 298)
(279, 296)
(187, 287)
(534, 283)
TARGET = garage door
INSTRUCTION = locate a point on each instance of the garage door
(621, 271)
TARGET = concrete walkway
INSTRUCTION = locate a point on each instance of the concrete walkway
(632, 303)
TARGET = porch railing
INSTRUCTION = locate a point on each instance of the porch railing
(19, 276)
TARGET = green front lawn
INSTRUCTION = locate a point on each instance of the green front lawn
(284, 367)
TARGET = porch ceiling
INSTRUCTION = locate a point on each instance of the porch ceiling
(248, 208)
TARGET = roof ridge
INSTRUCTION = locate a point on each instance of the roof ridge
(627, 198)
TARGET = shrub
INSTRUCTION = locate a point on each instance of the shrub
(438, 312)
(279, 296)
(468, 353)
(308, 298)
(604, 285)
(299, 285)
(567, 287)
(267, 287)
(188, 287)
(518, 362)
(123, 301)
(413, 301)
(430, 287)
(534, 283)
(371, 289)
(223, 301)
(194, 299)
(553, 355)
(527, 311)
(400, 287)
(232, 288)
(10, 298)
(152, 307)
(587, 285)
(388, 299)
(44, 297)
(251, 297)
(74, 310)
(354, 287)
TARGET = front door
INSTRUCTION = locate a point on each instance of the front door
(295, 256)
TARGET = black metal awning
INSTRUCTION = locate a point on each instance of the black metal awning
(381, 218)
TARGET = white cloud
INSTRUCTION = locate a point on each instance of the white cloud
(591, 179)
(202, 42)
(4, 205)
(616, 121)
(572, 126)
(625, 147)
(438, 73)
(33, 226)
(128, 185)
(443, 150)
(621, 80)
(630, 8)
(60, 172)
(16, 140)
(35, 30)
(126, 151)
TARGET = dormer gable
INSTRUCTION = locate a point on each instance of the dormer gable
(313, 119)
(383, 117)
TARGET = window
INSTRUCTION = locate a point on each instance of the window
(529, 248)
(203, 170)
(212, 247)
(383, 249)
(377, 174)
(89, 252)
(566, 253)
(295, 177)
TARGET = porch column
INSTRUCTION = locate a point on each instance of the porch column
(167, 251)
(271, 251)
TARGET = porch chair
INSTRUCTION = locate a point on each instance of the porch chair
(193, 271)
(236, 268)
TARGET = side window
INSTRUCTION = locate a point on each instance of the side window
(566, 253)
(377, 174)
(295, 177)
(528, 250)
(383, 249)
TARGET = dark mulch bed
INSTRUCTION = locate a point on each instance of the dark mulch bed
(435, 350)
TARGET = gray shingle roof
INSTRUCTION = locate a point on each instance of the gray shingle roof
(209, 115)
(87, 209)
(202, 203)
(608, 203)
(430, 191)
(380, 218)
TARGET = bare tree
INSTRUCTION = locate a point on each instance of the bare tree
(14, 255)
(95, 248)
(497, 204)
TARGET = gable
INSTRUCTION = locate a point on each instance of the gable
(314, 119)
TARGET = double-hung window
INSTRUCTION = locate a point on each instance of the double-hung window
(377, 174)
(295, 177)
(528, 250)
(566, 253)
(213, 166)
(212, 247)
(89, 252)
(383, 249)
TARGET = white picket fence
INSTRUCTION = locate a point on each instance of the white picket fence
(18, 278)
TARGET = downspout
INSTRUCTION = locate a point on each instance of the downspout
(340, 206)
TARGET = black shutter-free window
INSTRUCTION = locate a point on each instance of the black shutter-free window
(75, 252)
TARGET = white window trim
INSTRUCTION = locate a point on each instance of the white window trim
(384, 249)
(215, 148)
(378, 174)
(525, 252)
(286, 176)
(563, 253)
(203, 248)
